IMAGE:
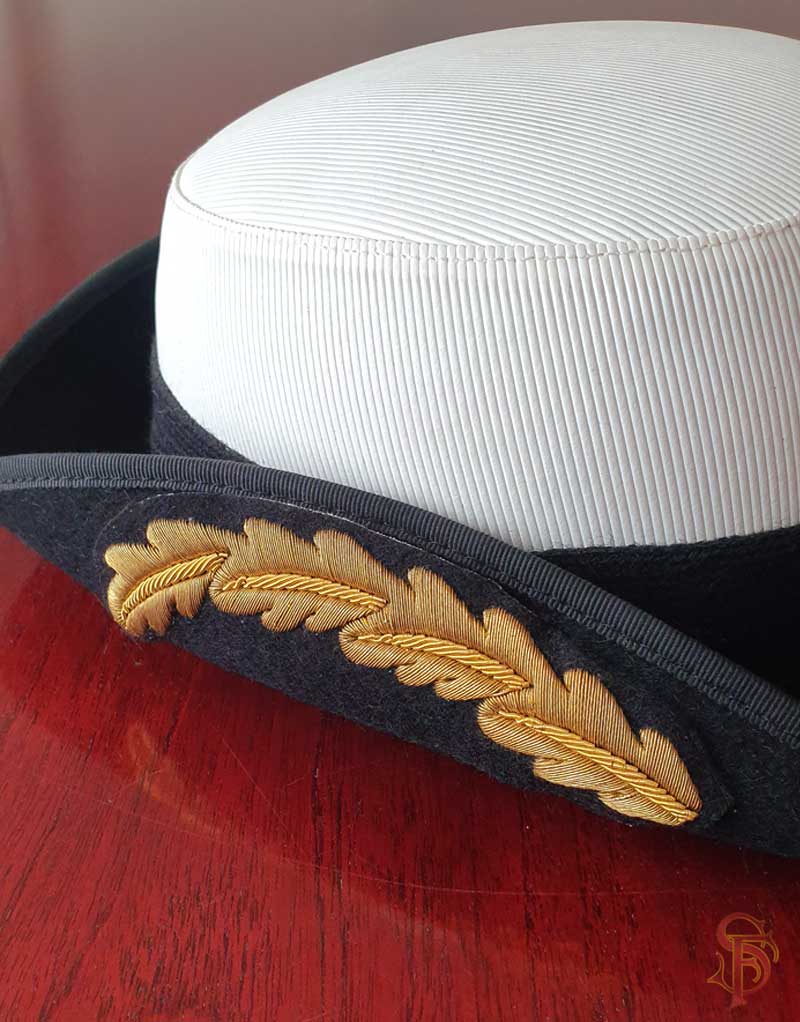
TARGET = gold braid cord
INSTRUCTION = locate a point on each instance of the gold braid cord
(572, 728)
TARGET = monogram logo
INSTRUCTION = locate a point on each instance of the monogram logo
(750, 953)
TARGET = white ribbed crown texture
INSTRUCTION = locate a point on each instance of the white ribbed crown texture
(543, 281)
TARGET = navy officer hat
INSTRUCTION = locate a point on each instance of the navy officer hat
(461, 397)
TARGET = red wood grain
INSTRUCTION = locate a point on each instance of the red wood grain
(180, 845)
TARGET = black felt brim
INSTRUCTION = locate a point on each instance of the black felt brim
(77, 474)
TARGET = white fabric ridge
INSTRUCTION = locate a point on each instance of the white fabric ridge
(543, 281)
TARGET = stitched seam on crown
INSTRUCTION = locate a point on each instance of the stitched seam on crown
(460, 560)
(520, 252)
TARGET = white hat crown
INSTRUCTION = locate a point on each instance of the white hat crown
(543, 281)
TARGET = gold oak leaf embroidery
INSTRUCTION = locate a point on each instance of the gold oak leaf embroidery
(578, 737)
(573, 729)
(430, 638)
(289, 581)
(172, 571)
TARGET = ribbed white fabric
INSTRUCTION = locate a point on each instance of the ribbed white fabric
(543, 281)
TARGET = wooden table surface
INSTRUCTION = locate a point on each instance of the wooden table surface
(180, 845)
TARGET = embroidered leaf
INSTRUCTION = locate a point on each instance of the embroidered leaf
(170, 572)
(573, 729)
(325, 583)
(428, 635)
(578, 737)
